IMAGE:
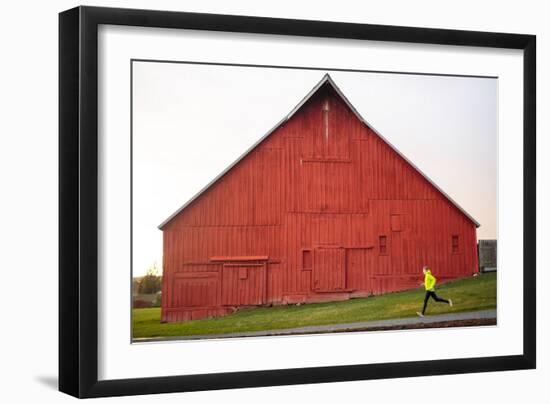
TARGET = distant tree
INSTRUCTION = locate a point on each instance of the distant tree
(151, 282)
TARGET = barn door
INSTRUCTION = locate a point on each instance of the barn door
(329, 269)
(243, 285)
(359, 269)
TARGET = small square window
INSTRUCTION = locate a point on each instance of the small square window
(243, 273)
(455, 245)
(382, 245)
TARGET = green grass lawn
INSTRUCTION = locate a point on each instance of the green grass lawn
(476, 293)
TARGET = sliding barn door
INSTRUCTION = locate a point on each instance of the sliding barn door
(329, 269)
(243, 285)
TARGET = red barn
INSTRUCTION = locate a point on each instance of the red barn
(322, 208)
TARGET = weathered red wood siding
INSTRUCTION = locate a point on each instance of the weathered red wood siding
(336, 211)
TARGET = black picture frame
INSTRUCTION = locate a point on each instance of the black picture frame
(78, 201)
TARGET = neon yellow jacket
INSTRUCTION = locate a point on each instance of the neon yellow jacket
(429, 280)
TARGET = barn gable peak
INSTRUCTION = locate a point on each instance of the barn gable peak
(326, 80)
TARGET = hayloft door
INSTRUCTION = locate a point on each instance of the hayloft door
(329, 269)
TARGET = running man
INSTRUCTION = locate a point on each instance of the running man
(429, 285)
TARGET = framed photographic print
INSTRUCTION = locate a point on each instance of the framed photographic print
(250, 201)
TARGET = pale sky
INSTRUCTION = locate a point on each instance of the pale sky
(192, 121)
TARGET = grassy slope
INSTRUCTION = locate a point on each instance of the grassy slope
(470, 294)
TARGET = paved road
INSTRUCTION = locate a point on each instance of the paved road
(363, 326)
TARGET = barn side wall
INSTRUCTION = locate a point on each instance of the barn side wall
(323, 209)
